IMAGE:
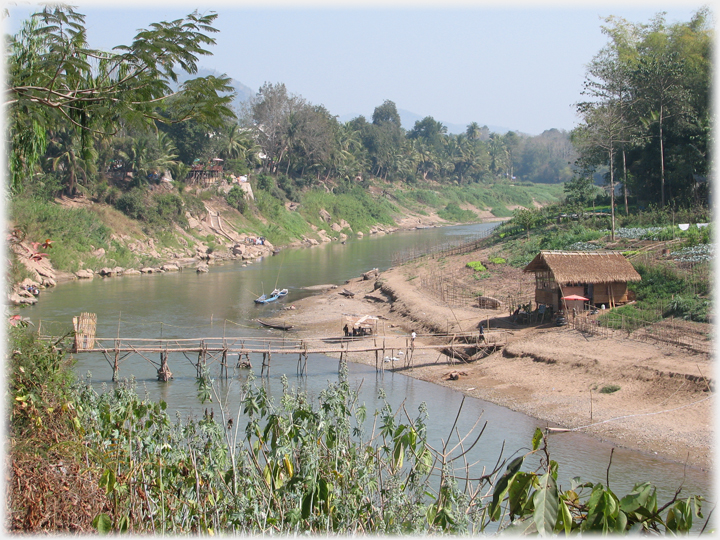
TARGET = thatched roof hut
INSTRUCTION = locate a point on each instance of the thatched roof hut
(600, 276)
(584, 266)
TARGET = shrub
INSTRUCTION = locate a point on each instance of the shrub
(609, 389)
(236, 199)
(477, 266)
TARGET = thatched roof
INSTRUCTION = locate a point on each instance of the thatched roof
(584, 266)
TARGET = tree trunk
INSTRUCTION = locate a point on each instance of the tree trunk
(625, 182)
(662, 162)
(612, 197)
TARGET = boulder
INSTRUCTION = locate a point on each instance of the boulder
(147, 270)
(131, 272)
(107, 272)
(488, 302)
(169, 267)
(84, 274)
(360, 234)
(325, 216)
(202, 268)
(336, 227)
(18, 300)
(370, 274)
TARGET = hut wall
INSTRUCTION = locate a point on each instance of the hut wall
(545, 296)
(567, 290)
(610, 293)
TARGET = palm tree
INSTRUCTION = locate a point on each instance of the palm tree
(235, 142)
(473, 131)
(147, 157)
(72, 160)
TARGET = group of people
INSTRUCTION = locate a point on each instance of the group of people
(259, 241)
(354, 332)
(32, 289)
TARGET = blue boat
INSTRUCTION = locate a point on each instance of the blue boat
(266, 299)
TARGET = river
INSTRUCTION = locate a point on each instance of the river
(220, 303)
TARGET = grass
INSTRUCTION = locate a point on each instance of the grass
(453, 212)
(75, 232)
(609, 389)
(357, 207)
(500, 211)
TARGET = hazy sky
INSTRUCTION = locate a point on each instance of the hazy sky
(520, 67)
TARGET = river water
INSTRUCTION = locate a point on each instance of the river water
(220, 303)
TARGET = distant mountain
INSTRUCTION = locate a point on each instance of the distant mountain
(408, 119)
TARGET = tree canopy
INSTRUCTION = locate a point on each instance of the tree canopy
(647, 115)
(57, 82)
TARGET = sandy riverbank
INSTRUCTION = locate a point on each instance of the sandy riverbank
(664, 405)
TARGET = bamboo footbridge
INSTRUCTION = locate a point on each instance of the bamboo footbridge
(235, 352)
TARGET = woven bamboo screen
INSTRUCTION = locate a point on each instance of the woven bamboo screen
(85, 331)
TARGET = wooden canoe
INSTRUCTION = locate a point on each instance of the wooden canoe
(277, 326)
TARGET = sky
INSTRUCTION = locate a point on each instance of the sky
(520, 66)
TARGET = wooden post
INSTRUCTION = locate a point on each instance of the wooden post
(223, 364)
(376, 350)
(382, 364)
(116, 365)
(164, 374)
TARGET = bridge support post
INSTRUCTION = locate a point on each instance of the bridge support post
(164, 374)
(265, 363)
(376, 358)
(116, 364)
(223, 364)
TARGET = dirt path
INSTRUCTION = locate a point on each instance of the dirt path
(662, 404)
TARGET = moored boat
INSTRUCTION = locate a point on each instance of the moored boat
(266, 299)
(277, 326)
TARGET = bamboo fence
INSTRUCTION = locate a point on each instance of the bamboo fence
(445, 249)
(666, 331)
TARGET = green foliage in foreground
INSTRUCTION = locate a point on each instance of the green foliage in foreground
(299, 465)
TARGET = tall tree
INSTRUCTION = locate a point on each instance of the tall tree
(660, 75)
(603, 129)
(55, 78)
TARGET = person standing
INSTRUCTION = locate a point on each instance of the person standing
(482, 333)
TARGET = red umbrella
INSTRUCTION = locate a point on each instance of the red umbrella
(575, 297)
